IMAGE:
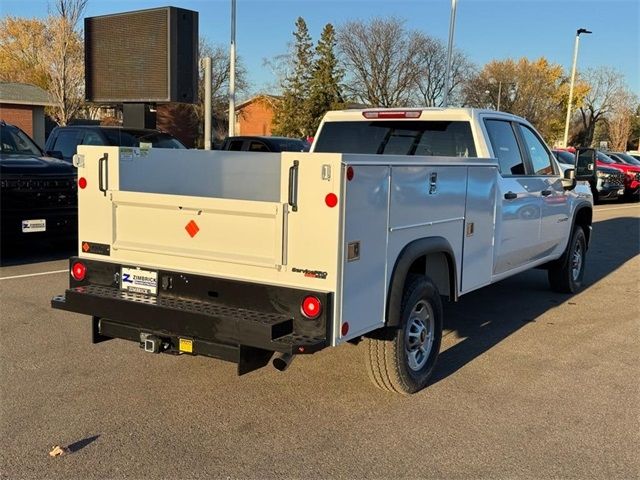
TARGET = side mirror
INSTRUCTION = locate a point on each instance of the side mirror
(55, 154)
(569, 180)
(585, 164)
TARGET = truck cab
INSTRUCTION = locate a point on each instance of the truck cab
(534, 210)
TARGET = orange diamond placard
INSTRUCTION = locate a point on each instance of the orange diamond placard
(192, 228)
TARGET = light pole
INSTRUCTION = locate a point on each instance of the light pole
(232, 73)
(447, 81)
(207, 102)
(573, 77)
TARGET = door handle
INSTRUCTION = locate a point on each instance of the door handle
(546, 193)
(293, 186)
(103, 174)
(510, 195)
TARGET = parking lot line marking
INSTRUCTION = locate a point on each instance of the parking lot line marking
(617, 208)
(34, 274)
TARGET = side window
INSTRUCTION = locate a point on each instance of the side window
(67, 142)
(540, 158)
(92, 138)
(235, 145)
(505, 147)
(258, 147)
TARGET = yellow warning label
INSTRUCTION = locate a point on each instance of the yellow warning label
(186, 345)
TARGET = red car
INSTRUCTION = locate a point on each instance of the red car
(631, 174)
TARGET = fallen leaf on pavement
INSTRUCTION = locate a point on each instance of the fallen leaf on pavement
(58, 451)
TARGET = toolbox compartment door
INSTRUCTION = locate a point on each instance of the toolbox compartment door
(236, 231)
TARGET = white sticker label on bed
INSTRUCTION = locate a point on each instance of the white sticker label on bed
(30, 226)
(139, 281)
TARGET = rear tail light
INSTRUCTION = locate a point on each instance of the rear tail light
(373, 114)
(78, 271)
(82, 182)
(311, 307)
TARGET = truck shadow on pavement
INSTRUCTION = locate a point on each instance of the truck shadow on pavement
(484, 318)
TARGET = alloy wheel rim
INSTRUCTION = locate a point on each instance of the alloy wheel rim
(419, 335)
(576, 262)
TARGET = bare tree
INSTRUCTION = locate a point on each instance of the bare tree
(432, 61)
(619, 121)
(605, 84)
(381, 61)
(220, 64)
(70, 10)
(65, 59)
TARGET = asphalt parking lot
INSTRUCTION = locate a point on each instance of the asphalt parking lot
(531, 384)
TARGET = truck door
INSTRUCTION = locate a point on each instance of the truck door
(555, 206)
(518, 218)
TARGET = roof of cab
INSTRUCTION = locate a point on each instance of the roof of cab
(426, 113)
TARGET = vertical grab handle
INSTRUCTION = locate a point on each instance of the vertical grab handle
(293, 186)
(103, 174)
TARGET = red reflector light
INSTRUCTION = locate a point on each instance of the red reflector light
(311, 307)
(82, 182)
(392, 114)
(345, 328)
(350, 173)
(78, 271)
(331, 200)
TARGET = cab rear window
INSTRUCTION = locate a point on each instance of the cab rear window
(388, 137)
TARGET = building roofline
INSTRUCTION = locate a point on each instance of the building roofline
(256, 97)
(17, 93)
(23, 102)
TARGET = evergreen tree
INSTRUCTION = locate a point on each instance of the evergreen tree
(292, 115)
(325, 89)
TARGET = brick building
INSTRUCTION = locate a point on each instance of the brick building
(255, 116)
(23, 105)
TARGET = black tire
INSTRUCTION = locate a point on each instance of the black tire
(594, 192)
(402, 359)
(566, 275)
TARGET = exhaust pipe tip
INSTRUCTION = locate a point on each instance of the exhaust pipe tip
(282, 361)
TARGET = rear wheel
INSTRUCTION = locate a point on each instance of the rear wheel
(567, 274)
(402, 359)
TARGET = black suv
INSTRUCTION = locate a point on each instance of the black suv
(63, 141)
(264, 144)
(38, 194)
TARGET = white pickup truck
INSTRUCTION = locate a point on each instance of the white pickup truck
(238, 255)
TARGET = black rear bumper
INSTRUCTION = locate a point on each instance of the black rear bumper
(224, 328)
